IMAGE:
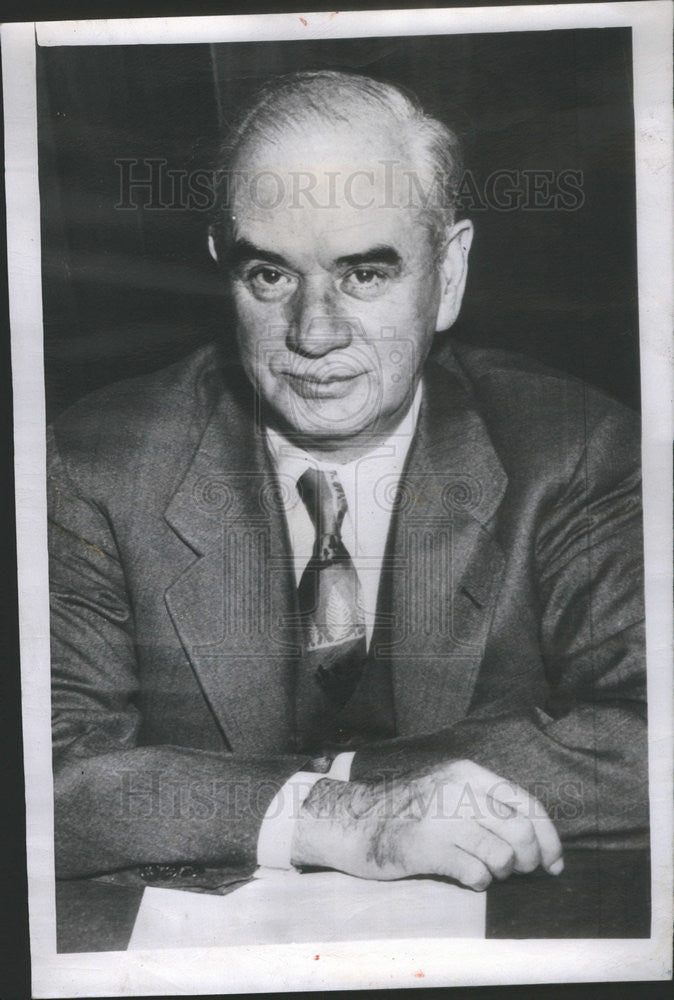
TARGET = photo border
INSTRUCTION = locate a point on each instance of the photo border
(374, 964)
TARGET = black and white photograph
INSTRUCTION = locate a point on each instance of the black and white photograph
(341, 348)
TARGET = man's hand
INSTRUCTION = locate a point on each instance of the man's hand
(458, 819)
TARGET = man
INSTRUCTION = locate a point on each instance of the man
(339, 605)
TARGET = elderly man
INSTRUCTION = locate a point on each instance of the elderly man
(338, 605)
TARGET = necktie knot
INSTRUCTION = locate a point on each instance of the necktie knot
(323, 496)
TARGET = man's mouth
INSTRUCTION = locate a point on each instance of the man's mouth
(314, 384)
(325, 379)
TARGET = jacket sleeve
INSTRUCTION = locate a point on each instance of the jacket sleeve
(582, 751)
(119, 804)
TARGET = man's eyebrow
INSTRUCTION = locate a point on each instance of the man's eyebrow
(242, 251)
(378, 254)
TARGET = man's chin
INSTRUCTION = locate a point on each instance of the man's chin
(329, 419)
(325, 433)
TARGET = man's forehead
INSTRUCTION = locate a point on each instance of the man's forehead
(348, 198)
(330, 233)
(325, 163)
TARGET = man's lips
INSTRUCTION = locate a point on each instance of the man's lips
(311, 385)
(324, 379)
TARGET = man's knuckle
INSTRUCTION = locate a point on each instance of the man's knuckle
(461, 769)
(521, 833)
(503, 858)
(478, 878)
(538, 810)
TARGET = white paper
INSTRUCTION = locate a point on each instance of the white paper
(285, 907)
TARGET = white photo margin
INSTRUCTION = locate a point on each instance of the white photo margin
(375, 964)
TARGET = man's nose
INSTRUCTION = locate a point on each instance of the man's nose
(315, 326)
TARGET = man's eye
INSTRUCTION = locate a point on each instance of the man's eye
(270, 283)
(365, 282)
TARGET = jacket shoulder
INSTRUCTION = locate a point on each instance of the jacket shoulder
(543, 419)
(160, 416)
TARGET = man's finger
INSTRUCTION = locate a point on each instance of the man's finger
(505, 795)
(463, 867)
(517, 831)
(491, 849)
(531, 809)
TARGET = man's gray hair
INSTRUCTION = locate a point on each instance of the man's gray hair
(290, 100)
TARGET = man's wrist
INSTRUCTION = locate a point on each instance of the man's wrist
(274, 846)
(319, 832)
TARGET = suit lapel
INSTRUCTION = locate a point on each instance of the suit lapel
(444, 565)
(232, 604)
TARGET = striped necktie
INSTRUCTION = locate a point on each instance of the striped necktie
(331, 613)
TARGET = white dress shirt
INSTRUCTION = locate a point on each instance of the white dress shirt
(370, 483)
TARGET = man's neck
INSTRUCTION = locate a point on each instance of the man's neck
(339, 452)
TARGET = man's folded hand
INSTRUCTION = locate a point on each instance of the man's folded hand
(458, 819)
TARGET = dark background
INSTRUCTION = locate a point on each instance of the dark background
(128, 291)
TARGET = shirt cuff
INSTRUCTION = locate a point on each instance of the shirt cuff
(274, 843)
(341, 766)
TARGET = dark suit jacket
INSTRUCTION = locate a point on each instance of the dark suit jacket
(517, 606)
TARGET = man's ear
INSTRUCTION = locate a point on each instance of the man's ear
(211, 246)
(454, 268)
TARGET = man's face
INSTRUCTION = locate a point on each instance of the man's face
(335, 283)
